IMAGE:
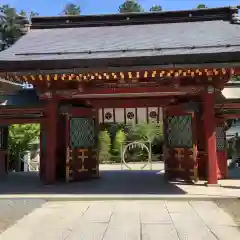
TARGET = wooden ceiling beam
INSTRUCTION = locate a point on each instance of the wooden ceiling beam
(130, 102)
(229, 116)
(228, 106)
(15, 120)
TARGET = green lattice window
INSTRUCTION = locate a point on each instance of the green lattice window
(179, 131)
(220, 138)
(82, 134)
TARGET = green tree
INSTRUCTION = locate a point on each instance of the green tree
(152, 133)
(104, 146)
(156, 8)
(33, 14)
(201, 6)
(19, 139)
(130, 6)
(71, 9)
(118, 141)
(147, 132)
(13, 26)
(235, 78)
(28, 16)
(23, 13)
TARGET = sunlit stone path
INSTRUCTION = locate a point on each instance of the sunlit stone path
(125, 220)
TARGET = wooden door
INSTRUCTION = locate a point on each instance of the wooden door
(81, 156)
(180, 141)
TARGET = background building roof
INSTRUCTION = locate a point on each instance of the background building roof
(7, 87)
(231, 92)
(21, 98)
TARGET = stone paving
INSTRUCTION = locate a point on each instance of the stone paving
(125, 220)
(14, 209)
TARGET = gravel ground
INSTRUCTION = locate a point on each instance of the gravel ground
(232, 207)
(13, 210)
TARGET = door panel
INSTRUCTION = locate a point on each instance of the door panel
(81, 161)
(181, 150)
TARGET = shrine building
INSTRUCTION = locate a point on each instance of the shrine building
(125, 68)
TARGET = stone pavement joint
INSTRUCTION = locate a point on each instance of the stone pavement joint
(125, 220)
(111, 197)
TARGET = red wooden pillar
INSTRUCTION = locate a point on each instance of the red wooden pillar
(51, 141)
(210, 135)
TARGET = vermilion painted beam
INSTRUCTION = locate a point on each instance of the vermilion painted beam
(173, 89)
(10, 121)
(129, 102)
(7, 110)
(131, 90)
(230, 116)
(228, 105)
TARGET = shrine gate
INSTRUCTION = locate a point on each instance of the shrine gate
(161, 66)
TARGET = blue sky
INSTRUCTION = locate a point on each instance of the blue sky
(54, 7)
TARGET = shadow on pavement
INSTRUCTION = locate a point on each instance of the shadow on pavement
(12, 210)
(110, 182)
(234, 173)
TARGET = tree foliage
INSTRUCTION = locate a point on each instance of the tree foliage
(33, 14)
(23, 13)
(13, 26)
(235, 78)
(156, 8)
(118, 141)
(71, 9)
(147, 132)
(20, 137)
(130, 6)
(104, 146)
(28, 16)
(201, 6)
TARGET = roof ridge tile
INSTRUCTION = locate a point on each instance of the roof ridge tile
(192, 15)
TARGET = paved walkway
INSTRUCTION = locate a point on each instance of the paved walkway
(125, 220)
(11, 210)
(115, 183)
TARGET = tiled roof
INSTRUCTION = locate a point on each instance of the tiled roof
(53, 39)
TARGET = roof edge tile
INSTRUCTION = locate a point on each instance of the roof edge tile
(192, 15)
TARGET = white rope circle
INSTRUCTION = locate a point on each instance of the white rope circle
(133, 145)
